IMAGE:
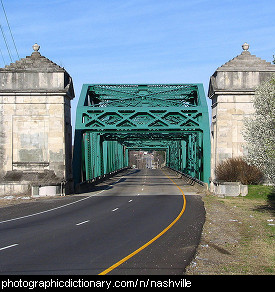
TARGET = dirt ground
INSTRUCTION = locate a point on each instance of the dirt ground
(238, 238)
(19, 199)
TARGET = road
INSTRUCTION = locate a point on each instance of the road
(91, 232)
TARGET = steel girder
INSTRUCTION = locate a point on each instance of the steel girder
(111, 119)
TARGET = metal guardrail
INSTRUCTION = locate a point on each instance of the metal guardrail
(81, 186)
(193, 180)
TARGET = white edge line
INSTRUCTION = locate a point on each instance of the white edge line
(46, 211)
(8, 246)
(80, 223)
(114, 209)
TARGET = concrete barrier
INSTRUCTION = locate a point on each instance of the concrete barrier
(233, 189)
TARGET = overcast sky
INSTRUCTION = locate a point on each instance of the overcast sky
(139, 41)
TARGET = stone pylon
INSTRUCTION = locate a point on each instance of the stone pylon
(35, 132)
(231, 89)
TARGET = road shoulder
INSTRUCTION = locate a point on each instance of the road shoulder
(237, 239)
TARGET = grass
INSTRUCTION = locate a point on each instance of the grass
(244, 227)
(257, 212)
(265, 194)
(260, 192)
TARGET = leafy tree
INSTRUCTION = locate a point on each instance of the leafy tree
(259, 130)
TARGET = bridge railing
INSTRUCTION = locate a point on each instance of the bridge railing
(191, 180)
(86, 185)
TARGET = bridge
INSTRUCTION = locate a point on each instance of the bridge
(113, 119)
(113, 227)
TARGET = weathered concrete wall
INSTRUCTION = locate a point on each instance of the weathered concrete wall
(231, 88)
(230, 189)
(26, 80)
(35, 117)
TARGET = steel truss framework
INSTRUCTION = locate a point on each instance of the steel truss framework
(113, 119)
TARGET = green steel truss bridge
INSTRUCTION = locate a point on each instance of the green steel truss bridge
(113, 119)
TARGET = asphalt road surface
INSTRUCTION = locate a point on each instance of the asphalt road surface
(139, 222)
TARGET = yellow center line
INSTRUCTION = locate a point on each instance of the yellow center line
(153, 239)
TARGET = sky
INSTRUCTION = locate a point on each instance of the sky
(138, 41)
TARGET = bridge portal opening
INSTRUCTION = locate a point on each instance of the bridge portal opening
(150, 159)
(114, 120)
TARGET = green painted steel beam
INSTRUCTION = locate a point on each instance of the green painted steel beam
(113, 118)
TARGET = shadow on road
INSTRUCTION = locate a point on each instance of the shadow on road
(105, 183)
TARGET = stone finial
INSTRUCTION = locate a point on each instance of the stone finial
(35, 54)
(36, 47)
(245, 46)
